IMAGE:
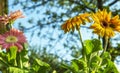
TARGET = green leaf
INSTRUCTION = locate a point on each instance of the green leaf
(41, 63)
(97, 45)
(24, 56)
(75, 65)
(3, 63)
(40, 66)
(54, 71)
(16, 70)
(2, 54)
(3, 60)
(25, 50)
(96, 59)
(88, 46)
(82, 64)
(25, 45)
(94, 64)
(92, 46)
(106, 56)
(66, 66)
(110, 68)
(12, 53)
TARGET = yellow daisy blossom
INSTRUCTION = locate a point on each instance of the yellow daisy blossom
(75, 22)
(104, 24)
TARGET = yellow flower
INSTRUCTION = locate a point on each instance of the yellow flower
(75, 22)
(104, 24)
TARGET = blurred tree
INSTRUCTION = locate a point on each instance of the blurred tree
(54, 60)
(3, 7)
(3, 11)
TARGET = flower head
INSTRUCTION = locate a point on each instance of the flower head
(104, 24)
(11, 17)
(15, 15)
(75, 22)
(13, 37)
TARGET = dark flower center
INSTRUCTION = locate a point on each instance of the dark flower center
(111, 25)
(104, 24)
(11, 39)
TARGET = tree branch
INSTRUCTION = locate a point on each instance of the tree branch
(100, 4)
(113, 2)
(37, 5)
(84, 5)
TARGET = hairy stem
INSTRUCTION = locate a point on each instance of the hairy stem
(83, 48)
(105, 44)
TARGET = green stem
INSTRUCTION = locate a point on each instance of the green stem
(98, 37)
(80, 36)
(83, 48)
(19, 59)
(15, 62)
(5, 63)
(105, 44)
(89, 62)
(21, 65)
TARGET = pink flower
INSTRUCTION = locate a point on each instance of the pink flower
(15, 15)
(13, 37)
(11, 17)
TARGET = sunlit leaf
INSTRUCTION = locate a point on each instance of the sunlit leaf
(82, 64)
(40, 66)
(110, 67)
(16, 70)
(92, 46)
(12, 53)
(88, 46)
(75, 66)
(41, 63)
(95, 62)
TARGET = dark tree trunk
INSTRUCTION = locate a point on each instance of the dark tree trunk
(3, 7)
(3, 10)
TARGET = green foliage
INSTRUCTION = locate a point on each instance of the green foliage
(75, 52)
(13, 61)
(95, 62)
(39, 66)
(75, 67)
(114, 51)
(12, 53)
(51, 59)
(16, 70)
(92, 46)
